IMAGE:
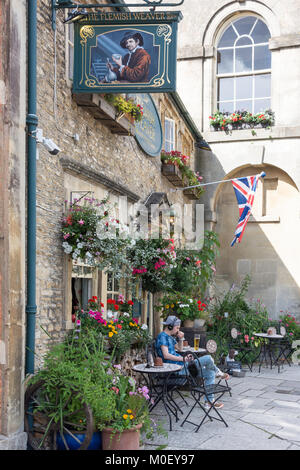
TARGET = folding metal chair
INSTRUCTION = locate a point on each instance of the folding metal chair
(245, 351)
(199, 389)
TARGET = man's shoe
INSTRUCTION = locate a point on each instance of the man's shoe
(222, 375)
(217, 405)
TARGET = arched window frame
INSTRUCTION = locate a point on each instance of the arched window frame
(234, 74)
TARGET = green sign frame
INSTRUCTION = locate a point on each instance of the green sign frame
(126, 52)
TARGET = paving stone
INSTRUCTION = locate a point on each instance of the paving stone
(251, 393)
(282, 396)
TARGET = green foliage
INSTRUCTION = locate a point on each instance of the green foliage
(123, 105)
(74, 372)
(182, 306)
(195, 269)
(246, 317)
(291, 325)
(189, 177)
(152, 262)
(228, 121)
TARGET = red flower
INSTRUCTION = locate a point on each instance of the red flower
(116, 307)
(111, 301)
(130, 302)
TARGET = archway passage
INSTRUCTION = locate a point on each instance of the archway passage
(269, 250)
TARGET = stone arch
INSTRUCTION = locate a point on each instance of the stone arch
(268, 250)
(226, 13)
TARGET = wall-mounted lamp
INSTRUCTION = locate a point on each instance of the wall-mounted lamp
(76, 15)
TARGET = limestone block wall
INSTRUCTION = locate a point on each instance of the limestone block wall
(12, 215)
(119, 158)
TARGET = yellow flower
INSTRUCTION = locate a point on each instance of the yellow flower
(131, 416)
(167, 306)
(129, 411)
(172, 306)
(109, 326)
(125, 416)
(110, 334)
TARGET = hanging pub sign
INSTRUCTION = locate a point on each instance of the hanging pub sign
(148, 131)
(127, 52)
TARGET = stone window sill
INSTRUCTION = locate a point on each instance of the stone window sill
(275, 132)
(105, 113)
(264, 219)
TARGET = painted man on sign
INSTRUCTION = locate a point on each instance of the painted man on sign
(133, 66)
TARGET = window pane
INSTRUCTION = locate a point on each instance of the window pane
(226, 107)
(225, 89)
(244, 41)
(260, 33)
(244, 87)
(243, 59)
(262, 85)
(244, 25)
(71, 32)
(260, 106)
(227, 38)
(262, 58)
(167, 130)
(244, 105)
(225, 61)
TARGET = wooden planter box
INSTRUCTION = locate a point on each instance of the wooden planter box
(172, 173)
(192, 193)
(105, 113)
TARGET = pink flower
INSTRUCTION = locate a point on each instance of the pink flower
(66, 236)
(81, 222)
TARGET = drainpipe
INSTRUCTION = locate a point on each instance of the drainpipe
(31, 121)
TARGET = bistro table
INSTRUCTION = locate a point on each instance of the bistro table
(199, 351)
(156, 378)
(267, 347)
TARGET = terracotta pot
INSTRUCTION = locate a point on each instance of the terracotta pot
(188, 323)
(129, 439)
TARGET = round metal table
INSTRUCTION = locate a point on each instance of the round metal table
(156, 378)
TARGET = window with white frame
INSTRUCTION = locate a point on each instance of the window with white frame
(244, 67)
(170, 142)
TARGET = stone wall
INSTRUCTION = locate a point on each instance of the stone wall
(119, 158)
(12, 212)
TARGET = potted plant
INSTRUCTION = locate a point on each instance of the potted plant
(186, 308)
(120, 329)
(131, 416)
(241, 120)
(71, 393)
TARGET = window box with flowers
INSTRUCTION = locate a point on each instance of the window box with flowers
(114, 111)
(241, 120)
(175, 168)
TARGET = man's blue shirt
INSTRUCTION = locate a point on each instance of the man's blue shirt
(163, 339)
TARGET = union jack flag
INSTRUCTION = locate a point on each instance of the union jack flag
(244, 190)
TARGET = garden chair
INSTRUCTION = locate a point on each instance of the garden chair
(199, 390)
(281, 351)
(245, 351)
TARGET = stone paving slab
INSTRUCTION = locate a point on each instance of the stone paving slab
(258, 417)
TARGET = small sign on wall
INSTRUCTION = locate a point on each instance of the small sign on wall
(129, 52)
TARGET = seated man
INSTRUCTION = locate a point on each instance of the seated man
(166, 345)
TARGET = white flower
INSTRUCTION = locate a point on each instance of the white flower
(67, 247)
(79, 245)
(144, 326)
(125, 314)
(191, 301)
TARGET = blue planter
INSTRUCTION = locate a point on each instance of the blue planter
(95, 444)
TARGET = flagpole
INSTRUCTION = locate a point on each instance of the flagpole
(262, 175)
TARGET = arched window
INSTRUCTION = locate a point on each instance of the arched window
(244, 66)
